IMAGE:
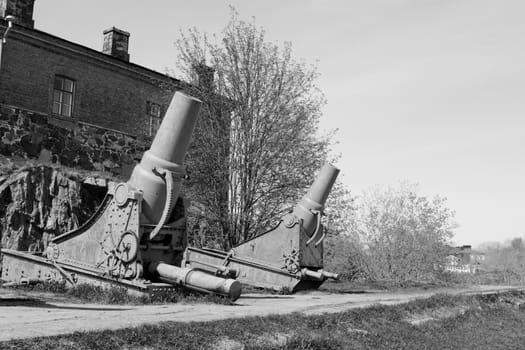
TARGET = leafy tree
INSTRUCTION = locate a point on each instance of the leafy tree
(517, 244)
(405, 234)
(507, 260)
(269, 109)
(343, 250)
(340, 211)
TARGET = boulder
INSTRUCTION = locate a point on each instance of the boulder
(41, 202)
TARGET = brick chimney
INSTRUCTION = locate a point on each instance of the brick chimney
(22, 10)
(204, 76)
(116, 43)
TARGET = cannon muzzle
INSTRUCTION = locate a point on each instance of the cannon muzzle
(289, 256)
(311, 206)
(197, 280)
(159, 174)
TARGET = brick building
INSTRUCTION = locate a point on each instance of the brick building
(67, 104)
(72, 83)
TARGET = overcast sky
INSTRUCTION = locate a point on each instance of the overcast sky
(429, 91)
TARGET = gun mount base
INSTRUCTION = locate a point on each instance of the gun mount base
(253, 272)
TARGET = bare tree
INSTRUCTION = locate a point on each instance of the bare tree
(272, 107)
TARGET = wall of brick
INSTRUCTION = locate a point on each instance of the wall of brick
(108, 92)
(110, 95)
(30, 135)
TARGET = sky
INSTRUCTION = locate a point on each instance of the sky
(424, 91)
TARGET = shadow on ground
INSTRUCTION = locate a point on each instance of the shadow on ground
(32, 302)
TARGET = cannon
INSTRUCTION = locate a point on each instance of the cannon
(289, 257)
(137, 236)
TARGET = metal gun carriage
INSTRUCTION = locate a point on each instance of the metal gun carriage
(137, 237)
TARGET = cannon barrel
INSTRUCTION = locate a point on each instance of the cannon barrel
(311, 205)
(197, 280)
(159, 177)
(109, 248)
(165, 158)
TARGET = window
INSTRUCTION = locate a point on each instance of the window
(153, 111)
(63, 92)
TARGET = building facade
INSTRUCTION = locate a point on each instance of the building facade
(464, 259)
(72, 83)
(67, 104)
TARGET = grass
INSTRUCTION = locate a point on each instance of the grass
(344, 286)
(485, 322)
(443, 280)
(246, 288)
(119, 296)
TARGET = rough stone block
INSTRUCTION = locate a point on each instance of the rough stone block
(39, 119)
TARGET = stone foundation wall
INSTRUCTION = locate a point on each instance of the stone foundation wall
(33, 136)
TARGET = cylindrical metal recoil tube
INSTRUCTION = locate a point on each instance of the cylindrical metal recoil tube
(198, 280)
(311, 205)
(167, 152)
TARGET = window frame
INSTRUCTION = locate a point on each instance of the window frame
(59, 107)
(153, 111)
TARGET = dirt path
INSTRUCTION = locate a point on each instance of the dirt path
(23, 317)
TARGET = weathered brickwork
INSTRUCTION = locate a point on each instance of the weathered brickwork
(108, 92)
(29, 135)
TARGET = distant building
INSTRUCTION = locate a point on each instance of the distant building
(464, 259)
(72, 83)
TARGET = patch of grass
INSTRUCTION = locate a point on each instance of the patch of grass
(119, 295)
(246, 288)
(345, 286)
(435, 302)
(489, 323)
(443, 279)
